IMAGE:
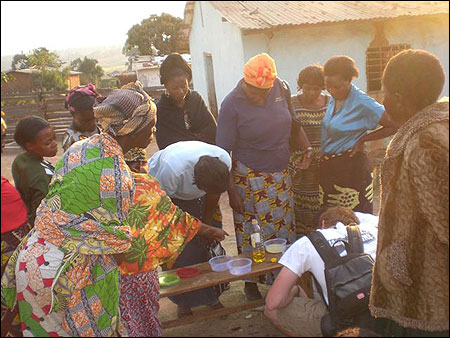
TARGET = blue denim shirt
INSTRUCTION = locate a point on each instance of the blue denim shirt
(359, 114)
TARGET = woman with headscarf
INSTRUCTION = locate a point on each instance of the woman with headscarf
(255, 125)
(65, 276)
(80, 103)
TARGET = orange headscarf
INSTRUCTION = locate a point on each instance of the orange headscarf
(260, 71)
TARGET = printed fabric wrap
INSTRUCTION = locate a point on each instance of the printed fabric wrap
(125, 111)
(63, 276)
(260, 71)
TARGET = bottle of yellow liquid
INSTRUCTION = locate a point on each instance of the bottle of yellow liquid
(257, 239)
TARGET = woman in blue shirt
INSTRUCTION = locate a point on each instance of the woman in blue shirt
(345, 170)
(255, 125)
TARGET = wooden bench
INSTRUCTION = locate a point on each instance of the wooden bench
(207, 278)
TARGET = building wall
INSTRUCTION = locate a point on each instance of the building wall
(74, 81)
(431, 34)
(295, 48)
(223, 40)
(21, 83)
(149, 77)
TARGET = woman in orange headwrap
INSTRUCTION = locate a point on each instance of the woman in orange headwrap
(255, 125)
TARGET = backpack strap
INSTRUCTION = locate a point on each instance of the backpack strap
(323, 248)
(326, 252)
(287, 96)
(355, 244)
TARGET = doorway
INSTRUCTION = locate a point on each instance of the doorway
(210, 83)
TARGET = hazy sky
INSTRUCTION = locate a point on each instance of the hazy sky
(70, 24)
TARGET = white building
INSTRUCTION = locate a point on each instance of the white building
(147, 67)
(223, 35)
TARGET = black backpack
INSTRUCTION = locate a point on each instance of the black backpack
(348, 281)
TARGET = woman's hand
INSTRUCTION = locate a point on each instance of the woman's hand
(236, 202)
(358, 148)
(304, 164)
(211, 233)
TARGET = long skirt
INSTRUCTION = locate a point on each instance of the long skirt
(305, 186)
(347, 181)
(139, 304)
(195, 252)
(268, 198)
(10, 318)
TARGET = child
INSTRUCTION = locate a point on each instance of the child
(30, 171)
(80, 102)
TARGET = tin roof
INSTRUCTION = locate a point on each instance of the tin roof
(256, 15)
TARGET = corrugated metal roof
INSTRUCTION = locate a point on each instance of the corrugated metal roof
(251, 15)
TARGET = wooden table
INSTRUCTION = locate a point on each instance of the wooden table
(207, 278)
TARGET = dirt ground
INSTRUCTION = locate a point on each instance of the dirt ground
(243, 324)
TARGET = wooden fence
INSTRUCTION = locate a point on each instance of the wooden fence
(48, 105)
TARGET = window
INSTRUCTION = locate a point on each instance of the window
(376, 60)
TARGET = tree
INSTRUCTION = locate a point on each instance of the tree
(20, 61)
(92, 72)
(41, 58)
(6, 78)
(50, 79)
(160, 32)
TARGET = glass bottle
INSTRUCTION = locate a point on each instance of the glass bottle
(257, 241)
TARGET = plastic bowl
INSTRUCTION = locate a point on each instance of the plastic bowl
(219, 263)
(168, 280)
(240, 266)
(275, 246)
(187, 272)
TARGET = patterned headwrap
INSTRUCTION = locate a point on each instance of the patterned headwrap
(135, 154)
(4, 128)
(125, 111)
(260, 71)
(88, 90)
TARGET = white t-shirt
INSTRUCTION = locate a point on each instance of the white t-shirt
(174, 167)
(302, 256)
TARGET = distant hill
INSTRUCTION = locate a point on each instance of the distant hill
(109, 57)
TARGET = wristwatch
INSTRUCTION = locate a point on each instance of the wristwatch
(309, 152)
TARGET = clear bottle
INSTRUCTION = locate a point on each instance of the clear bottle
(257, 241)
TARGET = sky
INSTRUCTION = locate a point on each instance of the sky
(60, 25)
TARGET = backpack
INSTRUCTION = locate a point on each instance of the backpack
(348, 281)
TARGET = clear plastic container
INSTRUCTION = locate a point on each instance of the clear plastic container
(275, 246)
(219, 263)
(240, 266)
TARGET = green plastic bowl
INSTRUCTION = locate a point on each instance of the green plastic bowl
(168, 280)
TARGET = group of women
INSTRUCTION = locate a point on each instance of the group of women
(88, 266)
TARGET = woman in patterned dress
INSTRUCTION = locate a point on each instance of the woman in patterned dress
(345, 171)
(94, 225)
(309, 107)
(255, 125)
(15, 227)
